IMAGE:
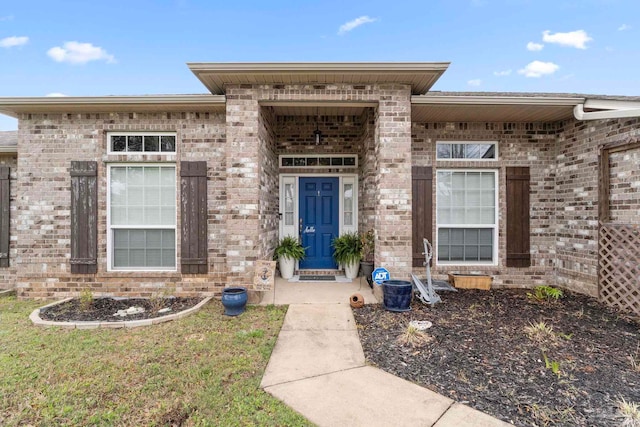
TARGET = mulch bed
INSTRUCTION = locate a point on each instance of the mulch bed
(103, 309)
(481, 355)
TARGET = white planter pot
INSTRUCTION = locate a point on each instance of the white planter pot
(287, 265)
(351, 270)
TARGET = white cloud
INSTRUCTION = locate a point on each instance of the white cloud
(348, 26)
(577, 39)
(502, 73)
(624, 27)
(79, 53)
(55, 95)
(6, 18)
(534, 47)
(14, 41)
(538, 69)
(474, 82)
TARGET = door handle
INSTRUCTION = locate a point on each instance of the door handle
(300, 228)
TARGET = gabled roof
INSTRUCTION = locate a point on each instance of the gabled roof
(216, 75)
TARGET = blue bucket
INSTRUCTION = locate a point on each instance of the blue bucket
(397, 295)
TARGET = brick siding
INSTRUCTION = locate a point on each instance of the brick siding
(519, 144)
(8, 275)
(48, 143)
(241, 147)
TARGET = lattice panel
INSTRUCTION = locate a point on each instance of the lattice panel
(619, 270)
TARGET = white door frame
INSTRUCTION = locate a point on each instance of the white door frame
(294, 179)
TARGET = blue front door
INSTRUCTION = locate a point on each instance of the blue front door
(318, 221)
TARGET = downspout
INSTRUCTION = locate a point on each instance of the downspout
(580, 114)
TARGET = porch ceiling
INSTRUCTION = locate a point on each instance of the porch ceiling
(420, 75)
(468, 108)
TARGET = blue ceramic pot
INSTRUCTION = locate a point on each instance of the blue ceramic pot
(397, 295)
(234, 300)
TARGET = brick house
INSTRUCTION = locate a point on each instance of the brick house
(129, 194)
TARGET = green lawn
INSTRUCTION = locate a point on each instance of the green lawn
(201, 370)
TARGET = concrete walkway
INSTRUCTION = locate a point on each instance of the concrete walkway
(318, 368)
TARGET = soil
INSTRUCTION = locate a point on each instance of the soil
(103, 309)
(478, 353)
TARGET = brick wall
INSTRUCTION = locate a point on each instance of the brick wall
(340, 134)
(624, 202)
(367, 171)
(393, 182)
(241, 147)
(48, 143)
(577, 196)
(8, 275)
(243, 189)
(269, 184)
(519, 144)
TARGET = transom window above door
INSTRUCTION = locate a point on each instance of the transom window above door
(319, 161)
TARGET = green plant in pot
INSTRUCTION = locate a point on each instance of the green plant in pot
(347, 252)
(367, 245)
(288, 251)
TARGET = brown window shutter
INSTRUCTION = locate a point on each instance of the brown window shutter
(193, 210)
(422, 218)
(518, 229)
(84, 217)
(5, 201)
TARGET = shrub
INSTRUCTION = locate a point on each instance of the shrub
(289, 247)
(545, 293)
(347, 249)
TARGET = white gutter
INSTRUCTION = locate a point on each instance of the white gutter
(9, 150)
(612, 110)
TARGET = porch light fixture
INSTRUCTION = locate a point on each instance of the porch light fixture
(317, 134)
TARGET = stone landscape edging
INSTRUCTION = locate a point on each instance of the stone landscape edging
(35, 318)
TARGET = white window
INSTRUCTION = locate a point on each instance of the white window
(467, 150)
(142, 217)
(319, 161)
(466, 216)
(147, 143)
(348, 204)
(289, 197)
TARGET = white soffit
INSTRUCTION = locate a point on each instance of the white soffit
(472, 108)
(112, 104)
(216, 76)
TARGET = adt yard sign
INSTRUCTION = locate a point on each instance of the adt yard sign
(380, 274)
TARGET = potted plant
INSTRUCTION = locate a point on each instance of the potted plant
(347, 252)
(367, 245)
(288, 251)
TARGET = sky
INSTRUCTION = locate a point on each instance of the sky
(94, 48)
